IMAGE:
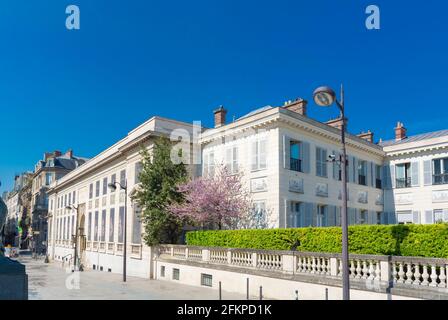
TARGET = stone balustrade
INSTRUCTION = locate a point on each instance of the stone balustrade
(368, 272)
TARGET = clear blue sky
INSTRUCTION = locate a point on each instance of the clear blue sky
(133, 59)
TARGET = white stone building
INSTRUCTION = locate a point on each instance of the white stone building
(283, 157)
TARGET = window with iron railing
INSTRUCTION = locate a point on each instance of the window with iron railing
(440, 178)
(295, 164)
(403, 175)
(403, 183)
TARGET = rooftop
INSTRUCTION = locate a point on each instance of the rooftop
(418, 137)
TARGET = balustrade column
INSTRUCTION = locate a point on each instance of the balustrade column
(333, 267)
(288, 263)
(254, 259)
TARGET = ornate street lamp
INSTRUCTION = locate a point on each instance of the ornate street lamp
(325, 97)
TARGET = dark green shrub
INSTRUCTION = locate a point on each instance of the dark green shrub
(405, 240)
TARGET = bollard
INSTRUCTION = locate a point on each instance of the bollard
(247, 287)
(261, 293)
(326, 293)
(297, 294)
(220, 291)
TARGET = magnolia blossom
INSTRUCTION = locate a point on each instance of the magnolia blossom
(220, 200)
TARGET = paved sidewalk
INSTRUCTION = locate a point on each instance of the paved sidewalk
(48, 282)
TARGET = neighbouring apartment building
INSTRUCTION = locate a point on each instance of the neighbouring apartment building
(283, 157)
(52, 167)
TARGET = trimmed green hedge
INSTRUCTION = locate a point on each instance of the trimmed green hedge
(398, 240)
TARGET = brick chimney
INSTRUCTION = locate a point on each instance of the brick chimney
(337, 123)
(220, 116)
(298, 105)
(400, 131)
(366, 136)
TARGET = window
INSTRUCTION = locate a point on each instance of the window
(104, 186)
(403, 175)
(362, 172)
(259, 155)
(111, 224)
(73, 225)
(138, 170)
(259, 214)
(97, 189)
(136, 226)
(296, 210)
(405, 217)
(378, 182)
(91, 191)
(123, 177)
(176, 274)
(363, 217)
(295, 161)
(440, 174)
(69, 199)
(378, 217)
(74, 197)
(103, 226)
(113, 179)
(321, 213)
(321, 162)
(232, 160)
(95, 227)
(162, 271)
(440, 216)
(206, 280)
(120, 225)
(48, 178)
(209, 164)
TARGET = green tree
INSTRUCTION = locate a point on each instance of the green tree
(159, 180)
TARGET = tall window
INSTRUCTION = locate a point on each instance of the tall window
(260, 214)
(123, 177)
(209, 164)
(121, 225)
(295, 162)
(321, 214)
(97, 189)
(138, 170)
(91, 191)
(321, 162)
(111, 224)
(95, 227)
(296, 212)
(113, 179)
(403, 175)
(378, 217)
(440, 175)
(440, 216)
(48, 178)
(362, 172)
(104, 186)
(232, 160)
(378, 182)
(103, 226)
(70, 198)
(136, 226)
(259, 154)
(73, 225)
(363, 217)
(74, 197)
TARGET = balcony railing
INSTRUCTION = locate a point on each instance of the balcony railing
(295, 164)
(403, 183)
(362, 180)
(440, 178)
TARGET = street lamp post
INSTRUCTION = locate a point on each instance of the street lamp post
(325, 97)
(72, 207)
(113, 187)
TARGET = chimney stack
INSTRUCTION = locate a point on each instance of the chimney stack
(220, 116)
(366, 136)
(337, 123)
(298, 105)
(400, 131)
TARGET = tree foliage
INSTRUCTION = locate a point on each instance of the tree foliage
(158, 190)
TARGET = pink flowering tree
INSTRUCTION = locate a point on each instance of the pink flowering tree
(220, 200)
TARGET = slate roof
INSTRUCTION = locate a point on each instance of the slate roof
(418, 137)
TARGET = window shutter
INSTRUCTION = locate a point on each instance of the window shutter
(254, 155)
(306, 157)
(355, 170)
(350, 216)
(308, 215)
(324, 163)
(286, 152)
(416, 217)
(349, 167)
(314, 215)
(392, 219)
(331, 220)
(263, 153)
(369, 174)
(383, 219)
(414, 174)
(338, 216)
(370, 217)
(335, 166)
(427, 173)
(318, 161)
(429, 217)
(392, 176)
